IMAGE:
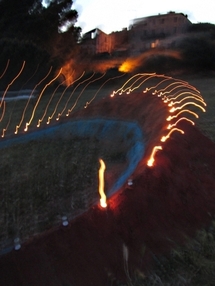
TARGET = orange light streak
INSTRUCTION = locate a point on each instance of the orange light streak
(137, 86)
(3, 112)
(5, 129)
(103, 200)
(186, 92)
(38, 100)
(8, 61)
(121, 90)
(181, 83)
(168, 86)
(62, 111)
(182, 118)
(51, 97)
(83, 91)
(89, 102)
(164, 138)
(30, 77)
(32, 92)
(155, 86)
(173, 109)
(151, 160)
(186, 97)
(23, 64)
(76, 88)
(182, 111)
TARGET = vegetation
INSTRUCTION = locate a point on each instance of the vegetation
(43, 180)
(193, 264)
(39, 35)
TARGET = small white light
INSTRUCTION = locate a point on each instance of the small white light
(17, 244)
(130, 182)
(65, 221)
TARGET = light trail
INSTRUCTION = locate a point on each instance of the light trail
(59, 114)
(30, 77)
(5, 129)
(103, 200)
(69, 110)
(26, 106)
(186, 97)
(130, 87)
(76, 88)
(89, 102)
(38, 100)
(182, 118)
(182, 111)
(51, 97)
(151, 160)
(181, 83)
(163, 92)
(7, 64)
(149, 76)
(173, 109)
(121, 88)
(2, 99)
(155, 86)
(3, 112)
(186, 92)
(164, 138)
(15, 101)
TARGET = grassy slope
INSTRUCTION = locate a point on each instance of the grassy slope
(194, 264)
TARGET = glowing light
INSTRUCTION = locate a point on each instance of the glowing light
(62, 111)
(121, 89)
(75, 90)
(155, 86)
(38, 100)
(3, 112)
(186, 97)
(32, 92)
(163, 90)
(143, 81)
(50, 99)
(8, 61)
(182, 111)
(5, 129)
(89, 102)
(103, 200)
(82, 93)
(181, 83)
(186, 92)
(95, 94)
(151, 160)
(182, 118)
(164, 138)
(173, 109)
(3, 96)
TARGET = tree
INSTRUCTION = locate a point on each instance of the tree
(29, 20)
(33, 32)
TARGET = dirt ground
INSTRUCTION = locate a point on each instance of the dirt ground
(165, 205)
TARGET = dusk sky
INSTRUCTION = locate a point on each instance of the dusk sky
(114, 15)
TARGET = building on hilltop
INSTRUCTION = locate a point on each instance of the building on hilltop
(96, 42)
(144, 33)
(150, 32)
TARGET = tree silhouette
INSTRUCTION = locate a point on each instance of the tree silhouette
(28, 21)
